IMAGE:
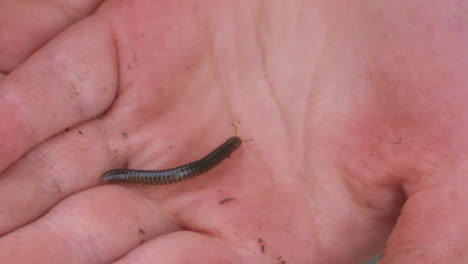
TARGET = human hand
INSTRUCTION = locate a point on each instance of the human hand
(352, 114)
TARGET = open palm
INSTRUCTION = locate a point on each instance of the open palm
(342, 126)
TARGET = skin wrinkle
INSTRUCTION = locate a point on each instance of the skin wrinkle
(75, 85)
(263, 56)
(210, 51)
(308, 108)
(85, 247)
(49, 224)
(216, 74)
(170, 215)
(114, 154)
(43, 157)
(300, 159)
(115, 45)
(225, 98)
(354, 187)
(261, 47)
(74, 95)
(52, 185)
(110, 149)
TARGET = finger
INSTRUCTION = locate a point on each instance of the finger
(27, 25)
(96, 226)
(190, 247)
(431, 228)
(66, 164)
(71, 80)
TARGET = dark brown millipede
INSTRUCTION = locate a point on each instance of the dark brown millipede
(192, 169)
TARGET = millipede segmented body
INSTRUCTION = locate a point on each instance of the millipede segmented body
(192, 169)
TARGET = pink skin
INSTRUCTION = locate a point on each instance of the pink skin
(357, 111)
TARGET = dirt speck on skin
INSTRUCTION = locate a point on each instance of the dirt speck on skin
(225, 200)
(398, 141)
(188, 67)
(262, 245)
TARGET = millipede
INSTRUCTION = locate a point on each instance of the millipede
(177, 174)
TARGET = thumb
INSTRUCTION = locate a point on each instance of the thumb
(432, 227)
